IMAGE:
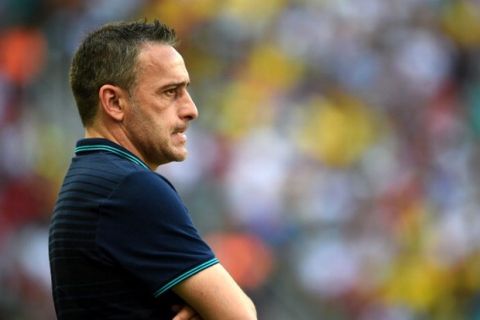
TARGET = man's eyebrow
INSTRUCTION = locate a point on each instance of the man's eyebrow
(175, 84)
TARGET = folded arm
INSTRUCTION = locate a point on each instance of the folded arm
(213, 294)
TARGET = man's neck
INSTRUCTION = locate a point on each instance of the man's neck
(120, 139)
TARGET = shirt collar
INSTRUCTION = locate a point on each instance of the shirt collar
(100, 144)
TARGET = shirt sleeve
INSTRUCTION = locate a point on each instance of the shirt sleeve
(146, 229)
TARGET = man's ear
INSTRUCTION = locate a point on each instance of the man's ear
(113, 101)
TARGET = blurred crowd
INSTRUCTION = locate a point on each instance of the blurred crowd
(332, 168)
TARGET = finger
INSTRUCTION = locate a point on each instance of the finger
(185, 313)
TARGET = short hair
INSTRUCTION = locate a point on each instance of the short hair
(108, 55)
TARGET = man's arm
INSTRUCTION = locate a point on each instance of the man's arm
(215, 295)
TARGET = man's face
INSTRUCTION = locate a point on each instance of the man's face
(160, 106)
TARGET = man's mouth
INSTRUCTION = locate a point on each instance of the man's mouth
(179, 133)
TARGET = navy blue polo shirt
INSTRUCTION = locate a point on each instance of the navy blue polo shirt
(120, 238)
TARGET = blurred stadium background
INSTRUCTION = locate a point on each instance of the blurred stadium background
(333, 167)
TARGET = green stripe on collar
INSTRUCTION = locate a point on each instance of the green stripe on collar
(123, 154)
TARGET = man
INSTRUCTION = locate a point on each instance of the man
(122, 245)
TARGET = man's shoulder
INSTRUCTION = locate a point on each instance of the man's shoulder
(147, 183)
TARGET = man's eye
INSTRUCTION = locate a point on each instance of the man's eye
(171, 92)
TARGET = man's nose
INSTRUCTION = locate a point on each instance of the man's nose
(189, 110)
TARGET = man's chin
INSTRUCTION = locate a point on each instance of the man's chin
(165, 158)
(180, 156)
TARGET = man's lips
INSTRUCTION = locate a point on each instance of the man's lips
(179, 133)
(180, 129)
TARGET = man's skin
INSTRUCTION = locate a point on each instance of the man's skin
(151, 121)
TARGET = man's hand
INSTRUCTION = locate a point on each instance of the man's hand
(185, 313)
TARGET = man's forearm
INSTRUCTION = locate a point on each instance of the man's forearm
(214, 295)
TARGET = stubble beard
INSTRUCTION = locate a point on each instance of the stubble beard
(156, 147)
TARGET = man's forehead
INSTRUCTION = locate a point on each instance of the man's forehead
(161, 59)
(159, 53)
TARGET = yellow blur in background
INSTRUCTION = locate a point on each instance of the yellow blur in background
(333, 167)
